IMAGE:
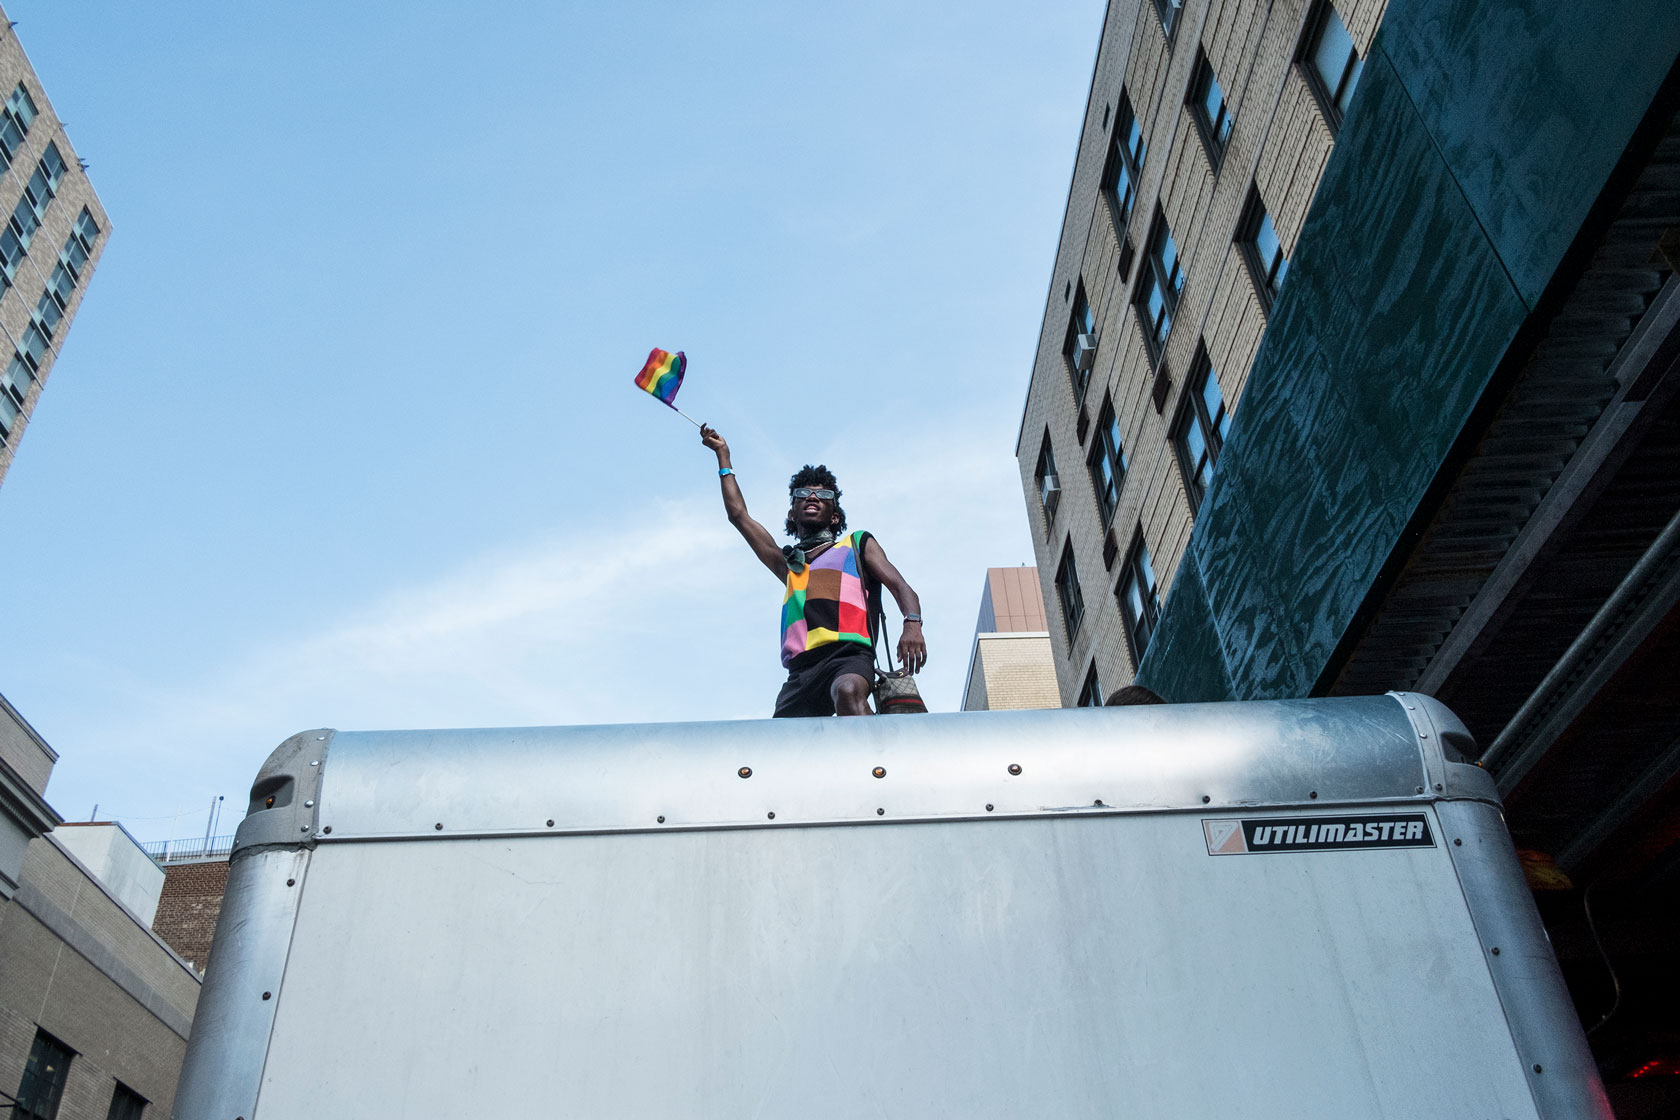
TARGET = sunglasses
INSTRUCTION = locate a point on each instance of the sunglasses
(807, 492)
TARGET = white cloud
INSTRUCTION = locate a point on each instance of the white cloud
(617, 624)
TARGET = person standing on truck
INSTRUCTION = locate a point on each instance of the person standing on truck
(827, 648)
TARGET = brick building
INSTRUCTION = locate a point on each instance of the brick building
(1360, 370)
(1206, 131)
(190, 904)
(1010, 665)
(50, 241)
(95, 1009)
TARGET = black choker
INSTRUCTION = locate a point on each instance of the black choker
(795, 553)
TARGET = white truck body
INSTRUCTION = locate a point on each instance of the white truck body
(1277, 909)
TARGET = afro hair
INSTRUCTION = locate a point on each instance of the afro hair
(821, 478)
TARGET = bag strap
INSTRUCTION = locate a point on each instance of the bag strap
(873, 607)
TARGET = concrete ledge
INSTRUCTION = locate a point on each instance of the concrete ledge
(22, 747)
(62, 926)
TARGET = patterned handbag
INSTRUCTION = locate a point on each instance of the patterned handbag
(896, 694)
(895, 691)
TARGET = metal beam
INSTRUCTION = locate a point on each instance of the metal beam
(1599, 455)
(1643, 599)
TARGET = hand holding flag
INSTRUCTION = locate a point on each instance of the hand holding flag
(662, 376)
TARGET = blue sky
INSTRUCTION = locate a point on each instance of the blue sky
(344, 433)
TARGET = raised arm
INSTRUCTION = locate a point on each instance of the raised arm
(758, 537)
(912, 649)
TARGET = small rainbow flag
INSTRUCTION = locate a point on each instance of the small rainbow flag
(663, 375)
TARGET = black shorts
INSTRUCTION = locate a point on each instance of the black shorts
(812, 676)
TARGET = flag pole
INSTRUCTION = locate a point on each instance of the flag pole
(685, 416)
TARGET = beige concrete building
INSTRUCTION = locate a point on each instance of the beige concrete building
(1011, 665)
(116, 859)
(95, 1008)
(1207, 128)
(26, 762)
(53, 233)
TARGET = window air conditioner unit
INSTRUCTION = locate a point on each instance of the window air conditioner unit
(1050, 490)
(1084, 352)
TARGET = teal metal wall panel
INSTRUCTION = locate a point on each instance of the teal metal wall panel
(1187, 640)
(1531, 103)
(1396, 313)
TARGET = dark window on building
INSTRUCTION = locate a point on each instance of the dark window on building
(62, 285)
(15, 120)
(1330, 63)
(43, 1079)
(12, 248)
(78, 248)
(43, 182)
(1049, 483)
(34, 346)
(24, 222)
(1067, 590)
(14, 387)
(1140, 602)
(1090, 693)
(126, 1104)
(1199, 434)
(1160, 283)
(53, 165)
(1107, 462)
(48, 314)
(87, 229)
(1126, 150)
(1261, 250)
(29, 211)
(1080, 345)
(1206, 100)
(1168, 11)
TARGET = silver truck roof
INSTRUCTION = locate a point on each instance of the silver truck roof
(328, 786)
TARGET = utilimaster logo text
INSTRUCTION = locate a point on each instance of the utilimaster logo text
(1234, 837)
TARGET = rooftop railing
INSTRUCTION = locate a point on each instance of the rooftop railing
(194, 847)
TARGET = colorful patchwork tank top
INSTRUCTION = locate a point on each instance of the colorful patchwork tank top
(825, 603)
